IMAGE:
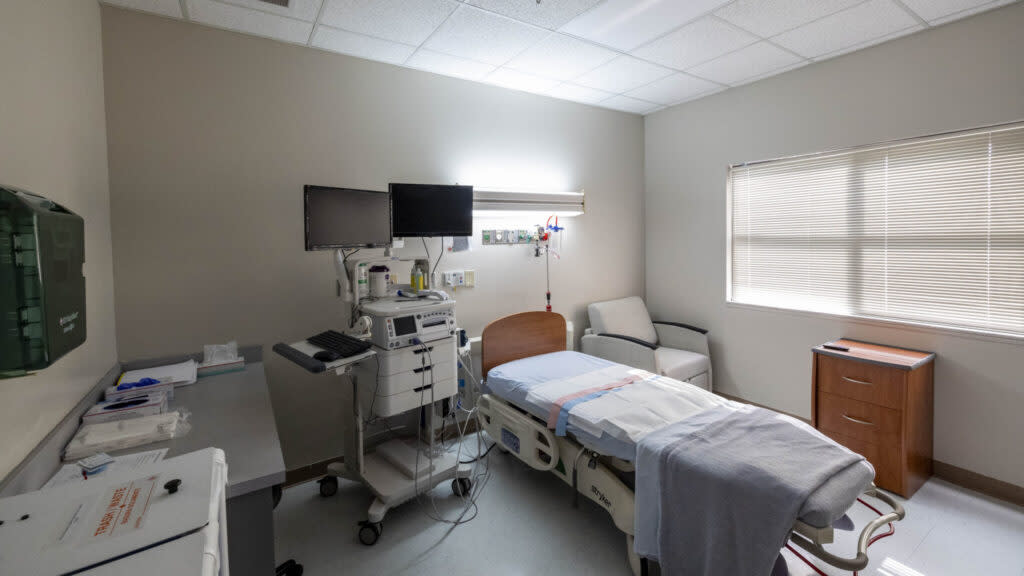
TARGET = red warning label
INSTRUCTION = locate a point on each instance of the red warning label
(125, 507)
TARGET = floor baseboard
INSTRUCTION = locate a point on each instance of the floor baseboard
(979, 482)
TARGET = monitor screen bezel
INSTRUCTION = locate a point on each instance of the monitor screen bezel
(308, 188)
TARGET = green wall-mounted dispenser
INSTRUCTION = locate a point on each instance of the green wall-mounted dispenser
(42, 288)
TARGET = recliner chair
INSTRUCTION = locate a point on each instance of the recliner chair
(622, 331)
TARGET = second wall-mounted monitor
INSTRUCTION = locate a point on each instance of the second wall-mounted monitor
(431, 210)
(346, 218)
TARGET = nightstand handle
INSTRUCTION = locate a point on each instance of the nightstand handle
(857, 381)
(858, 420)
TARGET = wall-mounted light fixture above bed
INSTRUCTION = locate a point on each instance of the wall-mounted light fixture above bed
(502, 203)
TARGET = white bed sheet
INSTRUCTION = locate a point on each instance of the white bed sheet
(513, 381)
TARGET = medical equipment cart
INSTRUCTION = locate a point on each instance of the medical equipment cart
(395, 471)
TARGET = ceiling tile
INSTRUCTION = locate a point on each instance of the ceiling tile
(770, 17)
(482, 36)
(406, 21)
(673, 89)
(448, 65)
(562, 57)
(550, 14)
(737, 67)
(934, 10)
(170, 8)
(627, 104)
(695, 43)
(299, 9)
(516, 80)
(249, 21)
(575, 92)
(360, 45)
(626, 24)
(855, 26)
(622, 75)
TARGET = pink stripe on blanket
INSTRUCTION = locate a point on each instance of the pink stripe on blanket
(556, 408)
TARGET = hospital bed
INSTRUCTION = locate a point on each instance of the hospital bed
(524, 351)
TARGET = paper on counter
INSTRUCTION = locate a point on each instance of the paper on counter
(72, 472)
(180, 374)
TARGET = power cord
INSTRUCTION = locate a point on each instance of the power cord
(478, 480)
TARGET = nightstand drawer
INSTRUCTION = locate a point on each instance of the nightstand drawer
(860, 420)
(885, 459)
(863, 381)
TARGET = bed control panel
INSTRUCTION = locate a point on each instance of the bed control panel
(510, 440)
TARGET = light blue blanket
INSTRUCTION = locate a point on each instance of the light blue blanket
(718, 493)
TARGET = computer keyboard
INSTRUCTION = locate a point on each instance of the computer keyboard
(341, 343)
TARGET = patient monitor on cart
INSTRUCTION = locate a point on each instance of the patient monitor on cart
(415, 344)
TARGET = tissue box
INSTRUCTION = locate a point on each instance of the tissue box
(133, 406)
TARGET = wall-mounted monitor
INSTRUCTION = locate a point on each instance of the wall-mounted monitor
(346, 218)
(431, 210)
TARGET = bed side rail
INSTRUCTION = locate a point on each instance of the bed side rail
(813, 544)
(529, 440)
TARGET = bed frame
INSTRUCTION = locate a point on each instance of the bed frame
(601, 478)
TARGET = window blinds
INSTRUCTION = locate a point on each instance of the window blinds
(929, 230)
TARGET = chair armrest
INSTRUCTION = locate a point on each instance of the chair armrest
(621, 349)
(683, 337)
(680, 325)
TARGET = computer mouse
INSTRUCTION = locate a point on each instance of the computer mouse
(327, 355)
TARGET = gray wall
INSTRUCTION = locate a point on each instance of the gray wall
(958, 76)
(53, 142)
(212, 135)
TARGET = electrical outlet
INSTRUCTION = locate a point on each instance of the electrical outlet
(510, 236)
(455, 278)
(487, 237)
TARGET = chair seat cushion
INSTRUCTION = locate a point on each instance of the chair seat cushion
(680, 364)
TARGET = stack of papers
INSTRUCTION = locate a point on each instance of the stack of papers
(71, 473)
(179, 374)
(159, 378)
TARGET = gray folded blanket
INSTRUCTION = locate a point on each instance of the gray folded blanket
(719, 492)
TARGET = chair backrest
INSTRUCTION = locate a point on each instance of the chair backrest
(626, 316)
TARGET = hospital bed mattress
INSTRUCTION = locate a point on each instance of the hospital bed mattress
(512, 382)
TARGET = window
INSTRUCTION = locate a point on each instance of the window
(929, 231)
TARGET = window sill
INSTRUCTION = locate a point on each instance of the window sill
(974, 334)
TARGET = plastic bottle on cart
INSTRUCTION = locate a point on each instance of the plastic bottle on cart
(416, 280)
(363, 280)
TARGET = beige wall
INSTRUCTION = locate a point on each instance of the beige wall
(212, 135)
(962, 75)
(53, 142)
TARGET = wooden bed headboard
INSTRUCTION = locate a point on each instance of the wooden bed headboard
(521, 336)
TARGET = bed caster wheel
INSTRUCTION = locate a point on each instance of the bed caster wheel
(462, 486)
(369, 532)
(328, 486)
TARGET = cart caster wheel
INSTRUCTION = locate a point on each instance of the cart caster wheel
(289, 568)
(462, 486)
(369, 532)
(328, 486)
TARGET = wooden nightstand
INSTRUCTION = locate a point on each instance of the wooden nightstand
(877, 401)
